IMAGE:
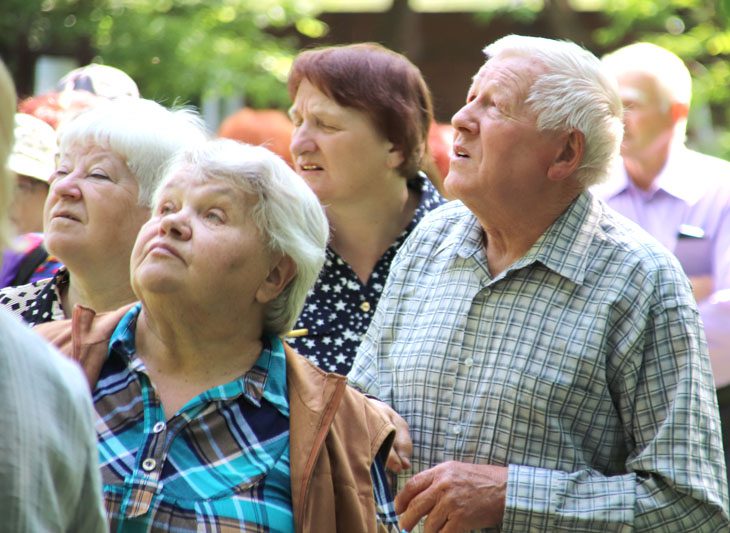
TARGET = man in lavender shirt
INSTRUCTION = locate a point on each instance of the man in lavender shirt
(678, 195)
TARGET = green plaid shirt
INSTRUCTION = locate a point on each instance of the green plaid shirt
(583, 367)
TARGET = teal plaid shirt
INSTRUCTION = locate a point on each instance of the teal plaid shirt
(583, 367)
(220, 464)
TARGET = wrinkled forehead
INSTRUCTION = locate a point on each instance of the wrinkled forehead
(89, 151)
(188, 180)
(638, 87)
(513, 71)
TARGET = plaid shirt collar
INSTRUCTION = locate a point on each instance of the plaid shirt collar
(265, 380)
(563, 248)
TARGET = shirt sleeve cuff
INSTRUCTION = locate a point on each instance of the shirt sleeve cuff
(532, 498)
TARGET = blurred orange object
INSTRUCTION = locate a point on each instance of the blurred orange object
(270, 128)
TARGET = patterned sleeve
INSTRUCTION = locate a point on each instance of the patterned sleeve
(675, 469)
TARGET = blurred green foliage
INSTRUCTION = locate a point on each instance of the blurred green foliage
(185, 49)
(174, 49)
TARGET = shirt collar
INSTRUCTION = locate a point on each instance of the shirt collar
(563, 248)
(672, 178)
(265, 380)
(468, 237)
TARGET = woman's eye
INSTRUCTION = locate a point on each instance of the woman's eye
(165, 209)
(99, 176)
(214, 216)
(57, 174)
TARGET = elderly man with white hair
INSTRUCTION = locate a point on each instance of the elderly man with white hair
(548, 359)
(678, 195)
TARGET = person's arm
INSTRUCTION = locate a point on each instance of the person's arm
(453, 497)
(674, 478)
(400, 454)
(365, 374)
(90, 514)
(721, 254)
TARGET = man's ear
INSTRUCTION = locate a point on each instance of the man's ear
(679, 111)
(569, 156)
(279, 277)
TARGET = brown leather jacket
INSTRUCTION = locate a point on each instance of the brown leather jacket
(334, 432)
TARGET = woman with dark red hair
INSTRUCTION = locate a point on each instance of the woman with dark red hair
(361, 117)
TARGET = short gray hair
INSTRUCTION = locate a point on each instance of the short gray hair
(7, 114)
(287, 213)
(669, 71)
(574, 92)
(144, 133)
(671, 75)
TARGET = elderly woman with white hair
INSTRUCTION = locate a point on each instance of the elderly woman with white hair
(111, 158)
(206, 418)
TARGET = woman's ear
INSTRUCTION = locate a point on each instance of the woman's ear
(569, 156)
(395, 157)
(279, 277)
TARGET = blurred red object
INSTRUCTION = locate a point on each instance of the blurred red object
(440, 140)
(55, 108)
(270, 128)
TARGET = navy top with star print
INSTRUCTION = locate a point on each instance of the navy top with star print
(37, 302)
(339, 307)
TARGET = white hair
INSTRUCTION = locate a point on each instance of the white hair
(287, 213)
(7, 114)
(671, 75)
(574, 92)
(667, 69)
(143, 133)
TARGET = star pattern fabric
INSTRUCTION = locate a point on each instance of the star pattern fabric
(38, 302)
(339, 307)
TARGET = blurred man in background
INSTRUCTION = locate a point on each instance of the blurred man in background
(678, 195)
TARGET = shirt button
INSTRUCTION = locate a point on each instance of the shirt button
(365, 306)
(159, 427)
(468, 361)
(149, 464)
(456, 430)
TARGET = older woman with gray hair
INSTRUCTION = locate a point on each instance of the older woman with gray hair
(206, 418)
(111, 158)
